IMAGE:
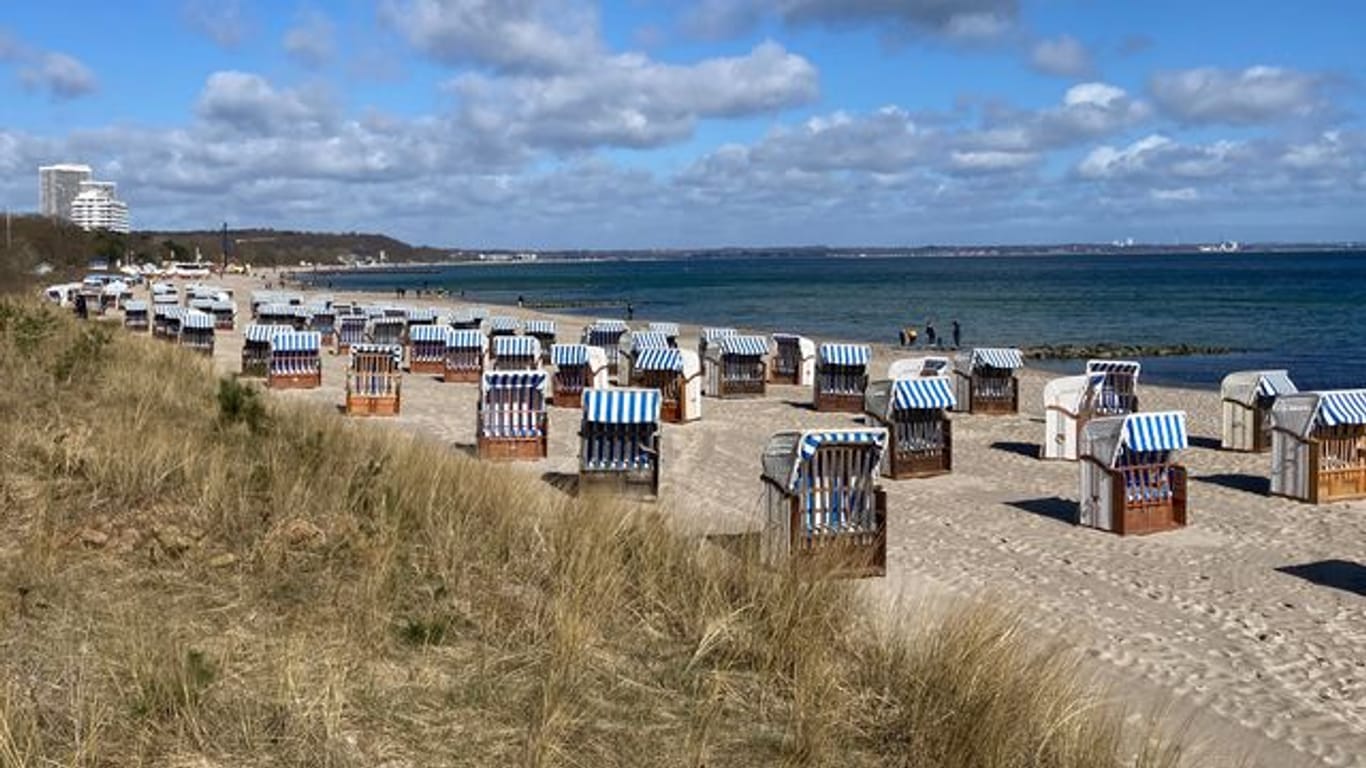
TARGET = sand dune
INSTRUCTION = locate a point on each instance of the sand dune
(1262, 663)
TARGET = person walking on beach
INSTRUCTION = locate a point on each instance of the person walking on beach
(957, 333)
(929, 334)
(630, 310)
(519, 302)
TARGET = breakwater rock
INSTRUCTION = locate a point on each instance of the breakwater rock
(1081, 351)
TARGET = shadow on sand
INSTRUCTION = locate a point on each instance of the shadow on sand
(1198, 441)
(562, 481)
(1338, 574)
(1052, 507)
(1027, 450)
(1246, 483)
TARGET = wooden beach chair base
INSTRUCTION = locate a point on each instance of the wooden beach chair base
(793, 378)
(916, 465)
(435, 367)
(1137, 518)
(513, 448)
(846, 555)
(983, 407)
(740, 390)
(294, 381)
(363, 405)
(572, 399)
(832, 402)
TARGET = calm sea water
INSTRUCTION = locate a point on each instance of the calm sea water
(1304, 311)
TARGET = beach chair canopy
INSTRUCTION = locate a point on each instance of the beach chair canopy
(788, 452)
(1158, 432)
(609, 325)
(1000, 358)
(516, 346)
(1247, 386)
(196, 320)
(223, 305)
(668, 329)
(539, 327)
(423, 315)
(621, 406)
(660, 360)
(163, 288)
(743, 346)
(258, 333)
(467, 339)
(641, 340)
(431, 334)
(503, 324)
(296, 341)
(566, 355)
(919, 367)
(492, 380)
(1118, 367)
(1071, 393)
(712, 334)
(276, 309)
(359, 350)
(1300, 413)
(135, 305)
(318, 308)
(850, 355)
(389, 321)
(885, 397)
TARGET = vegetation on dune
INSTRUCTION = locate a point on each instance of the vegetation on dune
(192, 573)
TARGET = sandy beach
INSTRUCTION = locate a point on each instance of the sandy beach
(1260, 664)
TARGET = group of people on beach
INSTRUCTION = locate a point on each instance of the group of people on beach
(909, 335)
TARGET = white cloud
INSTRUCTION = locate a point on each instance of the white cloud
(248, 103)
(1088, 111)
(629, 100)
(1064, 56)
(1179, 195)
(963, 20)
(222, 21)
(992, 162)
(1329, 151)
(1253, 95)
(311, 41)
(543, 36)
(62, 76)
(1107, 162)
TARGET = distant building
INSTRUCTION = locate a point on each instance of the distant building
(96, 207)
(58, 186)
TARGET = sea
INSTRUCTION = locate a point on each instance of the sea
(1305, 312)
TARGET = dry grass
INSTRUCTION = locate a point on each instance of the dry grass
(190, 575)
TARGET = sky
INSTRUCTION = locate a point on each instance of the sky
(668, 124)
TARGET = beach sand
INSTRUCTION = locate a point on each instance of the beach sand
(1257, 664)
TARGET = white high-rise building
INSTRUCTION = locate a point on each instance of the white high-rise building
(58, 185)
(96, 207)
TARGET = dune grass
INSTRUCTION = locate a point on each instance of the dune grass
(193, 574)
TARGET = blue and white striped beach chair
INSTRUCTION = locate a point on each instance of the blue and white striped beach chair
(1118, 394)
(841, 377)
(986, 380)
(514, 353)
(737, 366)
(374, 380)
(295, 360)
(619, 439)
(513, 421)
(606, 335)
(914, 411)
(1131, 482)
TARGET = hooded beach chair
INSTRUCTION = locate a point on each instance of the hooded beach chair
(1246, 399)
(513, 422)
(514, 353)
(677, 376)
(428, 346)
(197, 331)
(389, 329)
(986, 381)
(736, 366)
(630, 345)
(465, 356)
(606, 335)
(670, 331)
(1318, 446)
(1069, 402)
(841, 377)
(350, 331)
(1131, 481)
(502, 325)
(923, 367)
(541, 330)
(323, 319)
(256, 348)
(577, 367)
(708, 336)
(374, 380)
(914, 411)
(135, 316)
(295, 360)
(794, 360)
(619, 440)
(822, 500)
(1119, 386)
(224, 313)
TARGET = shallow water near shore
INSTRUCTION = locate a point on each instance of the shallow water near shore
(1301, 311)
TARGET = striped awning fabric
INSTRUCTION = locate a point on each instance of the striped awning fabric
(569, 354)
(197, 320)
(467, 339)
(430, 334)
(172, 312)
(164, 298)
(608, 324)
(844, 354)
(502, 323)
(546, 327)
(514, 380)
(1346, 406)
(422, 315)
(394, 322)
(712, 334)
(319, 309)
(649, 340)
(351, 321)
(659, 360)
(262, 334)
(201, 303)
(1161, 431)
(136, 305)
(516, 346)
(1112, 366)
(1274, 383)
(303, 311)
(668, 329)
(374, 311)
(621, 406)
(1004, 358)
(296, 341)
(743, 346)
(816, 438)
(923, 394)
(275, 309)
(163, 288)
(786, 338)
(393, 350)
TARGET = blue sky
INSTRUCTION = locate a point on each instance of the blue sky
(651, 123)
